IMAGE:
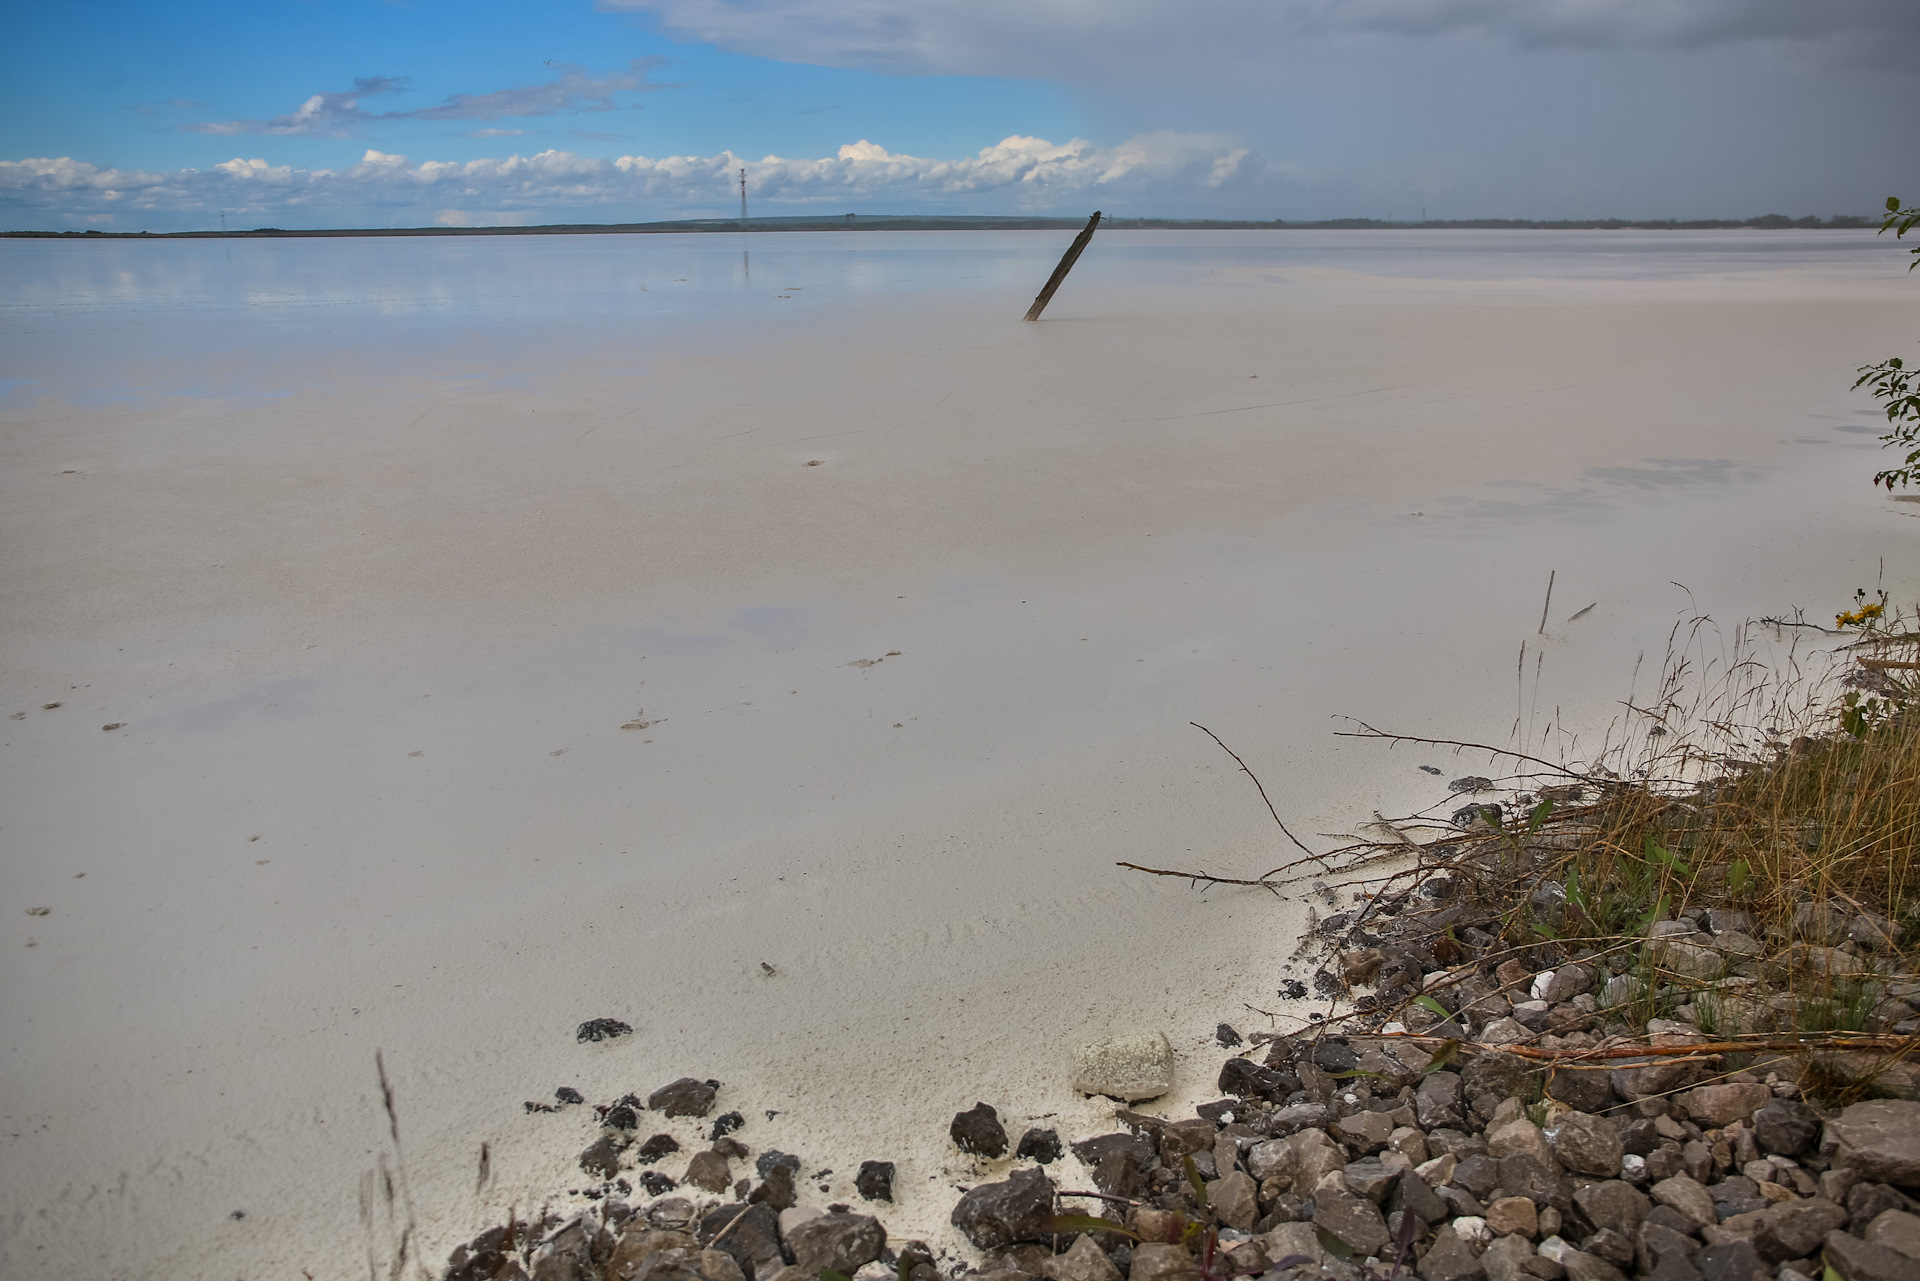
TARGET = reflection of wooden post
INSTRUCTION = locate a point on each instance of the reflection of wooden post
(1066, 265)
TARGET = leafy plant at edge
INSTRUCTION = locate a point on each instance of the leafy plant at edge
(1891, 381)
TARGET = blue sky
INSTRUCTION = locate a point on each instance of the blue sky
(348, 112)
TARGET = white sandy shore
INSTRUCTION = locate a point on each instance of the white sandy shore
(374, 584)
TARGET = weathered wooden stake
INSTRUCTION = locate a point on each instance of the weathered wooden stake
(1066, 265)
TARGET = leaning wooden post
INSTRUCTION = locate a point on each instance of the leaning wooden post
(1066, 265)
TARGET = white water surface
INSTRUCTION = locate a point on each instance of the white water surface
(372, 546)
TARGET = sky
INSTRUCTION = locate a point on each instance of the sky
(328, 113)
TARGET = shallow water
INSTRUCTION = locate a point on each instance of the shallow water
(374, 547)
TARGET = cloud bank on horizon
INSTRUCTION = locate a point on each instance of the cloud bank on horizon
(1196, 108)
(1028, 174)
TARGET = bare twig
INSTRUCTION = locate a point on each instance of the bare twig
(1208, 877)
(1256, 782)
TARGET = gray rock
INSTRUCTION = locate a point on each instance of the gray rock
(1083, 1261)
(1820, 923)
(1857, 1260)
(1298, 1117)
(1450, 1258)
(1717, 1105)
(1611, 1246)
(1786, 1126)
(1290, 1239)
(1897, 1230)
(1039, 1145)
(1582, 1266)
(1437, 1101)
(1507, 1259)
(1880, 1139)
(776, 1190)
(1355, 1220)
(1688, 1197)
(754, 1244)
(1654, 1243)
(1619, 990)
(1478, 1174)
(1235, 1200)
(1613, 1204)
(1587, 1145)
(685, 1097)
(1131, 1065)
(1647, 1080)
(1734, 1261)
(1868, 1201)
(1154, 1261)
(843, 1242)
(1274, 1157)
(1522, 1175)
(1364, 1132)
(1586, 1091)
(997, 1214)
(1411, 1194)
(1795, 1229)
(978, 1130)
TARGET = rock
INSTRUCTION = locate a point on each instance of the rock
(621, 1117)
(1619, 990)
(1880, 1139)
(601, 1030)
(685, 1097)
(1184, 1138)
(602, 1158)
(1653, 1243)
(875, 1180)
(1129, 1065)
(997, 1214)
(1579, 1265)
(1297, 1117)
(1587, 1145)
(1505, 1031)
(1507, 1258)
(1820, 922)
(1857, 1260)
(1450, 1258)
(1248, 1080)
(724, 1124)
(1522, 1175)
(1786, 1126)
(1273, 1157)
(1412, 1195)
(1611, 1246)
(656, 1183)
(1371, 1179)
(773, 1157)
(1519, 1136)
(1717, 1105)
(1364, 1132)
(978, 1130)
(1897, 1230)
(1688, 1197)
(1564, 984)
(709, 1171)
(732, 1149)
(1355, 1220)
(1734, 1261)
(1042, 1146)
(636, 1244)
(1437, 1101)
(1235, 1200)
(1868, 1201)
(1613, 1204)
(656, 1147)
(1156, 1261)
(1511, 1214)
(1292, 1241)
(843, 1242)
(1582, 1091)
(1794, 1229)
(1083, 1261)
(1648, 1080)
(754, 1243)
(776, 1190)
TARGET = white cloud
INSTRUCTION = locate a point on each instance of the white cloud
(339, 115)
(1076, 39)
(1153, 173)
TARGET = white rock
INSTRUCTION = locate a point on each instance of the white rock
(1541, 981)
(1473, 1229)
(793, 1216)
(1553, 1248)
(1131, 1065)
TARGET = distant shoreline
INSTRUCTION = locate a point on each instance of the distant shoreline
(1768, 222)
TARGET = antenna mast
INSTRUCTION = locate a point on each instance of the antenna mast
(743, 195)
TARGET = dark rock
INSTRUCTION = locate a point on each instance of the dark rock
(1480, 1175)
(621, 1117)
(1611, 1246)
(602, 1157)
(875, 1180)
(1293, 990)
(1248, 1079)
(1450, 1259)
(1299, 1116)
(708, 1170)
(601, 1030)
(567, 1094)
(776, 1190)
(1461, 1202)
(1335, 1056)
(1042, 1146)
(1585, 1091)
(1581, 1266)
(1184, 1138)
(726, 1123)
(656, 1147)
(1735, 1261)
(1795, 1229)
(1523, 1175)
(1586, 1145)
(1471, 783)
(1868, 1201)
(1226, 1035)
(656, 1183)
(978, 1130)
(1611, 1203)
(1857, 1260)
(1354, 1219)
(1656, 1242)
(1503, 1075)
(772, 1157)
(685, 1097)
(997, 1214)
(1220, 1112)
(1412, 1195)
(842, 1242)
(754, 1244)
(1437, 1102)
(1786, 1126)
(731, 1148)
